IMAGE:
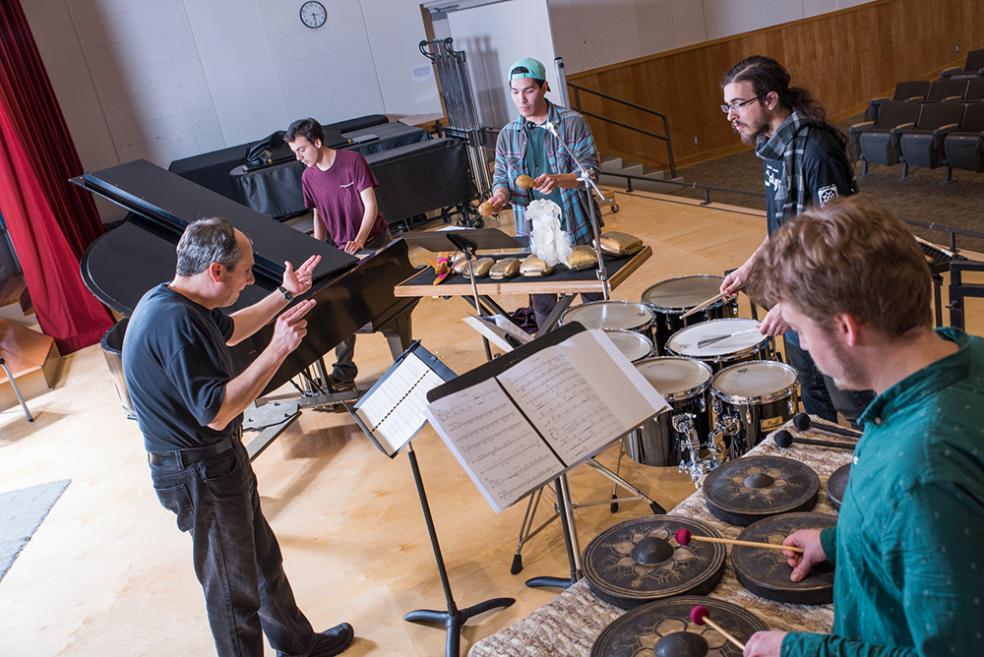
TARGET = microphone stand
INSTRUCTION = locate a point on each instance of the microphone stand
(589, 186)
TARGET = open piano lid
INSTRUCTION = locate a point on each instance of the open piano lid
(166, 203)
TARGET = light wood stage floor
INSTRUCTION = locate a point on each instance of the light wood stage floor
(107, 573)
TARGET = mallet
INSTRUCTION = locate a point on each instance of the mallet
(785, 439)
(701, 614)
(802, 421)
(683, 537)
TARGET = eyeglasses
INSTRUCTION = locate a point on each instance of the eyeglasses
(736, 105)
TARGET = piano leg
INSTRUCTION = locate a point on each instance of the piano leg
(397, 333)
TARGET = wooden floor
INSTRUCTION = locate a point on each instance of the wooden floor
(107, 573)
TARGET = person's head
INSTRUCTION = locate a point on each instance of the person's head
(305, 138)
(851, 277)
(757, 92)
(219, 256)
(528, 87)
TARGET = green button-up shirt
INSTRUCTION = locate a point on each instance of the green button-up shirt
(908, 547)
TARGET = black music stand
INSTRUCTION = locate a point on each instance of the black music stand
(452, 617)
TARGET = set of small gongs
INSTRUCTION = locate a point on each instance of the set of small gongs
(660, 567)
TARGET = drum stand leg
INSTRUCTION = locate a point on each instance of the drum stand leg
(618, 468)
(620, 481)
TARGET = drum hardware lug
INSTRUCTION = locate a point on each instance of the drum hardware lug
(683, 424)
(789, 405)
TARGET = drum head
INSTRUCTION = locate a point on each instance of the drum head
(766, 573)
(639, 560)
(634, 345)
(675, 378)
(682, 293)
(755, 487)
(610, 315)
(837, 485)
(640, 631)
(757, 382)
(684, 342)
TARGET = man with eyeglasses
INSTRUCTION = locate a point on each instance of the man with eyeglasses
(806, 164)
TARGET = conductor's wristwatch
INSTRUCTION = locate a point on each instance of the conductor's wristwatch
(288, 295)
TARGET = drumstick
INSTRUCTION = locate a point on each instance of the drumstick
(704, 304)
(717, 338)
(785, 439)
(683, 537)
(701, 614)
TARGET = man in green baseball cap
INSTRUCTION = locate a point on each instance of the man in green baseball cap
(528, 145)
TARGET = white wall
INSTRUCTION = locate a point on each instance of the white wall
(593, 33)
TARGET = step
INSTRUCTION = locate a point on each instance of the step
(33, 360)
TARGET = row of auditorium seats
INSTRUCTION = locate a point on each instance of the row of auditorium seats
(961, 90)
(973, 67)
(923, 134)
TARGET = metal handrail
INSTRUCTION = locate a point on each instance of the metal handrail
(665, 137)
(951, 232)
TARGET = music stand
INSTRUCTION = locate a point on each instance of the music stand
(408, 374)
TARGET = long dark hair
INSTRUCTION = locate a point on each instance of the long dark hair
(766, 74)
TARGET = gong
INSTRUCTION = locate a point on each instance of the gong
(664, 629)
(766, 573)
(639, 560)
(754, 487)
(837, 485)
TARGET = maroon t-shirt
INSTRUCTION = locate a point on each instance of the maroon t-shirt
(337, 196)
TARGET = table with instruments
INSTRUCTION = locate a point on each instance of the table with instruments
(570, 625)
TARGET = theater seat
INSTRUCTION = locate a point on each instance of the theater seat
(878, 141)
(964, 149)
(922, 145)
(943, 90)
(972, 68)
(908, 90)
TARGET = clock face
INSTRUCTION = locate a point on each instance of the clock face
(313, 14)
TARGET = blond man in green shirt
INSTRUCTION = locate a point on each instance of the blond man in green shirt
(908, 548)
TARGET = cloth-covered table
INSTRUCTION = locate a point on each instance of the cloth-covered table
(568, 625)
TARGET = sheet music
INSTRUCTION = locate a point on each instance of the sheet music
(493, 442)
(562, 404)
(395, 411)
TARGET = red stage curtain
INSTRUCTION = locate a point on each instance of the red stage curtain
(51, 222)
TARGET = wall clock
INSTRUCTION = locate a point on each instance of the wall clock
(313, 14)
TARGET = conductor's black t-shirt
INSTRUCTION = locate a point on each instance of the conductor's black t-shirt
(176, 364)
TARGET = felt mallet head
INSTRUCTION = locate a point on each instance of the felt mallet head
(699, 613)
(783, 438)
(802, 421)
(682, 536)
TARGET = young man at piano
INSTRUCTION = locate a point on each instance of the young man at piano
(526, 145)
(189, 406)
(908, 563)
(340, 189)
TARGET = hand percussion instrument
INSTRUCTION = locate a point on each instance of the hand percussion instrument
(739, 347)
(750, 400)
(639, 560)
(766, 573)
(754, 487)
(837, 485)
(615, 243)
(671, 298)
(664, 629)
(611, 316)
(525, 182)
(485, 209)
(635, 346)
(677, 435)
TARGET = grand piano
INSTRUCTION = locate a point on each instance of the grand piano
(128, 260)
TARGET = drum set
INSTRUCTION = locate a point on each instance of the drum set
(722, 378)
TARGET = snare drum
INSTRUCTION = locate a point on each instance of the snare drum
(750, 400)
(673, 297)
(611, 316)
(748, 344)
(634, 345)
(685, 384)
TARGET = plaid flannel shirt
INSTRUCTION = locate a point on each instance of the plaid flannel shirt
(510, 150)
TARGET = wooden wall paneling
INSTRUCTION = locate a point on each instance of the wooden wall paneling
(844, 58)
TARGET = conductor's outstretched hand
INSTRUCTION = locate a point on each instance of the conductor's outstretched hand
(298, 281)
(291, 327)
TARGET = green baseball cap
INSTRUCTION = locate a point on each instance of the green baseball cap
(533, 67)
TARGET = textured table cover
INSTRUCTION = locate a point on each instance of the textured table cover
(568, 625)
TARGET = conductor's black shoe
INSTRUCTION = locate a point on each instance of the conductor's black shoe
(332, 641)
(336, 385)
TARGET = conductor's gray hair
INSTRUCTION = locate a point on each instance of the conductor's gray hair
(206, 241)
